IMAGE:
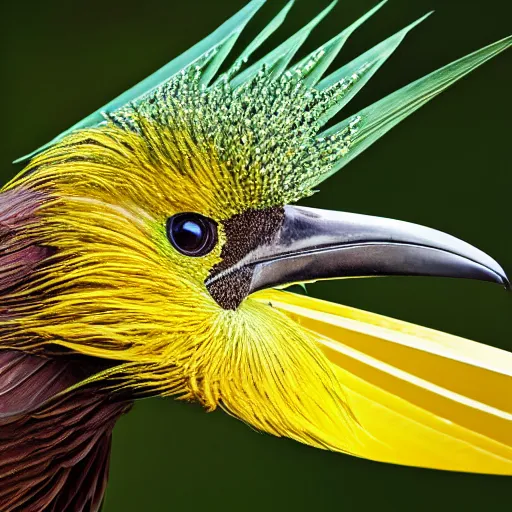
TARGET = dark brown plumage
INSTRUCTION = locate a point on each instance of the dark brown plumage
(55, 451)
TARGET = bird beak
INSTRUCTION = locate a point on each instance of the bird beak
(315, 244)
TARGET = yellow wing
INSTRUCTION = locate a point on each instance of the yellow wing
(424, 398)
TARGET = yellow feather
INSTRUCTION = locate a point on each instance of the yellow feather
(424, 398)
(325, 375)
(117, 290)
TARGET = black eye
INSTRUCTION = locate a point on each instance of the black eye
(192, 234)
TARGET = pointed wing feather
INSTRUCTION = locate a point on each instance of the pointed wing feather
(379, 118)
(424, 398)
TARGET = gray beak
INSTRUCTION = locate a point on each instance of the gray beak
(317, 244)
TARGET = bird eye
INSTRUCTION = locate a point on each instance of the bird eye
(192, 234)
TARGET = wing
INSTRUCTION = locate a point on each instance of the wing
(424, 398)
(55, 450)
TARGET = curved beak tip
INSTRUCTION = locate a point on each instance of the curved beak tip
(500, 277)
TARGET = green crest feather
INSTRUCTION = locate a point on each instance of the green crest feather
(290, 103)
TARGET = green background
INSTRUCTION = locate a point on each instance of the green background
(448, 167)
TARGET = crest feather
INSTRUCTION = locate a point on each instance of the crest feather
(380, 117)
(342, 85)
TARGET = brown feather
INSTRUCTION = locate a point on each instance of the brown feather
(19, 255)
(55, 452)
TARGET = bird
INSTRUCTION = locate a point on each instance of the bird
(149, 250)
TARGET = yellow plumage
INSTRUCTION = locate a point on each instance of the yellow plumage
(117, 290)
(424, 397)
(323, 374)
(168, 228)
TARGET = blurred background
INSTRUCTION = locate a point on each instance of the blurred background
(448, 166)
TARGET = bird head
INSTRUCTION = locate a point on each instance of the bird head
(168, 218)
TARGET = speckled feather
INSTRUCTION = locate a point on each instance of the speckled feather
(264, 131)
(87, 268)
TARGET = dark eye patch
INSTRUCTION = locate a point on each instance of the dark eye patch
(244, 233)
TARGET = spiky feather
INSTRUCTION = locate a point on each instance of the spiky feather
(187, 139)
(251, 140)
